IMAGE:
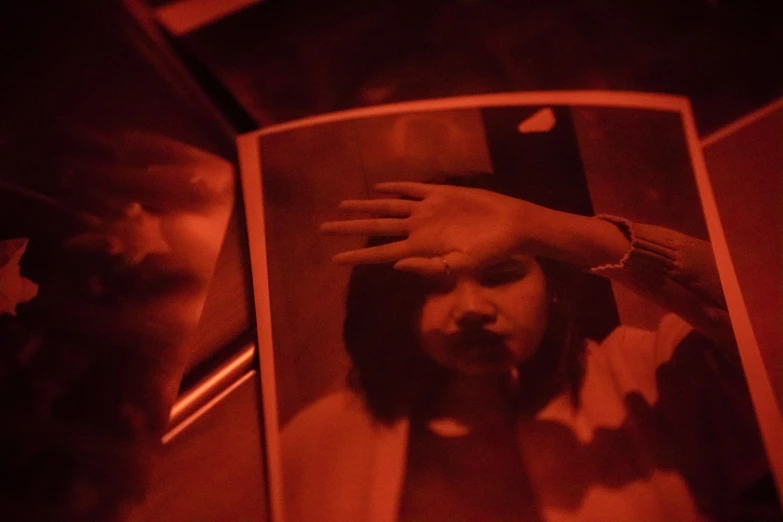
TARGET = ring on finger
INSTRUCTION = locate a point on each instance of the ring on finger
(446, 266)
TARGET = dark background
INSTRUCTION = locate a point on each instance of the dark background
(286, 59)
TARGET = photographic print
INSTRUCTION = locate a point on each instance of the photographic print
(502, 307)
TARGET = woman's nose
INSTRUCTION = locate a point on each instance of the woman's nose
(472, 305)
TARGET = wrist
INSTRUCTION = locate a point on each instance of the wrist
(543, 232)
(583, 241)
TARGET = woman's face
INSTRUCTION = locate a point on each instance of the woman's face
(488, 321)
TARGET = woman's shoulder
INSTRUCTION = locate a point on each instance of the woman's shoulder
(636, 359)
(333, 420)
(630, 357)
(329, 451)
(651, 346)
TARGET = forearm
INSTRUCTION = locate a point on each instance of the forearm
(671, 269)
(582, 241)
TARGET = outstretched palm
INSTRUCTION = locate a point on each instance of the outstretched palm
(465, 227)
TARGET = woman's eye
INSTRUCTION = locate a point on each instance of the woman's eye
(503, 274)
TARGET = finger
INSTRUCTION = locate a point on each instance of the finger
(459, 262)
(411, 189)
(380, 207)
(448, 265)
(426, 266)
(373, 255)
(366, 227)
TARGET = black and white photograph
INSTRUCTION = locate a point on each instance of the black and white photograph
(501, 307)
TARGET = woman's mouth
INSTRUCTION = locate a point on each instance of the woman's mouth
(479, 343)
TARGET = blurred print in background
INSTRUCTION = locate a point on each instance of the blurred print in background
(116, 186)
(111, 243)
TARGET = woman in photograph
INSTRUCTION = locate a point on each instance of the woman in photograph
(475, 395)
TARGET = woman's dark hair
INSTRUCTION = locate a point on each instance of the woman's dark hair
(393, 374)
